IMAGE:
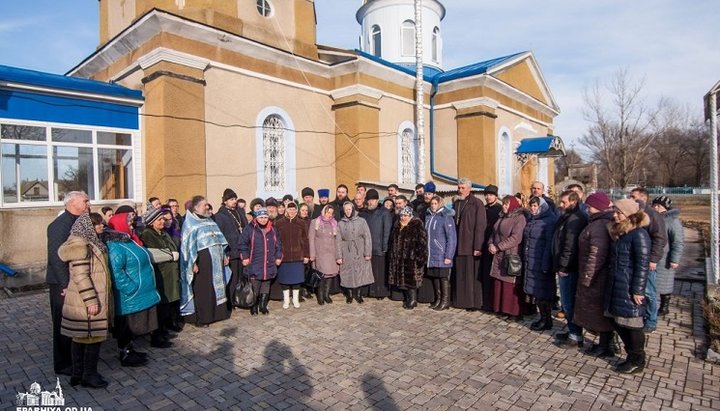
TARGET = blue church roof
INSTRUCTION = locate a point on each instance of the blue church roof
(61, 82)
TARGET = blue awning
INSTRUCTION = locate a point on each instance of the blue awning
(548, 146)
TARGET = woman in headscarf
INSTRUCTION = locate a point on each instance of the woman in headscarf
(134, 289)
(296, 253)
(261, 253)
(408, 256)
(202, 267)
(353, 253)
(88, 306)
(503, 245)
(670, 262)
(442, 242)
(322, 237)
(539, 281)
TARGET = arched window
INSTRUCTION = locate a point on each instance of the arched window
(505, 163)
(376, 41)
(264, 8)
(274, 153)
(407, 153)
(436, 44)
(408, 38)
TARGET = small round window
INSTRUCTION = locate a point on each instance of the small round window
(263, 7)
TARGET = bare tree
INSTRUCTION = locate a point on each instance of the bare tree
(697, 145)
(621, 127)
(670, 152)
(561, 164)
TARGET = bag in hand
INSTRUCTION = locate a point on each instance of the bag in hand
(513, 265)
(244, 295)
(313, 277)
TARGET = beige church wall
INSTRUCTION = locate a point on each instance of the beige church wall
(520, 76)
(446, 143)
(238, 99)
(470, 93)
(392, 114)
(477, 144)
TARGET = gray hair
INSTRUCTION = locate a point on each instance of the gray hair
(72, 196)
(465, 181)
(538, 182)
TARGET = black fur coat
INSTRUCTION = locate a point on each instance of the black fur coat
(408, 255)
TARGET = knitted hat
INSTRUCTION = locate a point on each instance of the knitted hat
(228, 194)
(599, 201)
(324, 192)
(627, 206)
(287, 197)
(271, 202)
(307, 191)
(407, 210)
(153, 214)
(429, 187)
(491, 189)
(664, 201)
(257, 201)
(372, 194)
(261, 212)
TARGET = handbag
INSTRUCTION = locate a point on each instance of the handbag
(313, 277)
(244, 295)
(513, 265)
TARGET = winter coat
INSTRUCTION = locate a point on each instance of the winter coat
(408, 255)
(89, 284)
(629, 261)
(294, 239)
(322, 237)
(231, 223)
(565, 240)
(539, 278)
(57, 233)
(594, 260)
(133, 277)
(507, 237)
(492, 214)
(658, 233)
(441, 238)
(380, 223)
(167, 273)
(262, 246)
(673, 252)
(353, 245)
(471, 222)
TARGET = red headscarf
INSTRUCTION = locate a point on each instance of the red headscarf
(119, 222)
(513, 205)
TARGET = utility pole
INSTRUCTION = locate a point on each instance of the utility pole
(419, 92)
(713, 277)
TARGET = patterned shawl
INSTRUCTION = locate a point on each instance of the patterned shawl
(83, 228)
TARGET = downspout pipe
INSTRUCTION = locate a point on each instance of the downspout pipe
(433, 172)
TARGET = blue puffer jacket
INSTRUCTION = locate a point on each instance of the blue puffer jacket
(262, 246)
(629, 261)
(441, 237)
(537, 254)
(133, 277)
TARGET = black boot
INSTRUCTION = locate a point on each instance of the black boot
(545, 321)
(406, 298)
(306, 293)
(664, 304)
(326, 292)
(90, 377)
(264, 298)
(358, 296)
(348, 295)
(77, 351)
(438, 293)
(412, 299)
(321, 291)
(445, 298)
(255, 307)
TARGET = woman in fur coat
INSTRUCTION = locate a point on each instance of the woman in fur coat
(408, 256)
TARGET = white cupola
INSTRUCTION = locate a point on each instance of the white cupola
(388, 31)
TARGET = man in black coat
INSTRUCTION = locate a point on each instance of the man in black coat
(537, 189)
(231, 221)
(341, 196)
(658, 238)
(470, 221)
(380, 222)
(308, 196)
(565, 262)
(423, 206)
(493, 208)
(58, 275)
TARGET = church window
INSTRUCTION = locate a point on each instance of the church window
(274, 153)
(504, 163)
(436, 44)
(408, 38)
(263, 7)
(407, 154)
(376, 40)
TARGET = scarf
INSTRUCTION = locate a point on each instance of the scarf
(119, 222)
(83, 228)
(200, 234)
(330, 221)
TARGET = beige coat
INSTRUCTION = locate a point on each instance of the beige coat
(89, 284)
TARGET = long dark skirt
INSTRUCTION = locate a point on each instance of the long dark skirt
(237, 270)
(380, 287)
(207, 311)
(508, 298)
(486, 280)
(467, 290)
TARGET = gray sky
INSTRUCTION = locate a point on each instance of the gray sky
(673, 45)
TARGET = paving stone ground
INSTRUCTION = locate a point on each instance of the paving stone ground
(371, 356)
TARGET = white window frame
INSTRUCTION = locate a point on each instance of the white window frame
(373, 44)
(264, 8)
(289, 184)
(435, 46)
(407, 31)
(134, 148)
(505, 164)
(407, 125)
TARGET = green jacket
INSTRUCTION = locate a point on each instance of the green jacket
(167, 270)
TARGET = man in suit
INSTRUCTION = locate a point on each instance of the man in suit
(58, 274)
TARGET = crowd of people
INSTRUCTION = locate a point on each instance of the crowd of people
(133, 274)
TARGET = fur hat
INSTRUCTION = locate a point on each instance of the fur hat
(307, 191)
(228, 194)
(429, 187)
(664, 201)
(372, 194)
(491, 189)
(324, 192)
(271, 202)
(257, 201)
(287, 197)
(627, 206)
(599, 201)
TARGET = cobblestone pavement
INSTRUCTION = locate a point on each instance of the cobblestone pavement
(373, 356)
